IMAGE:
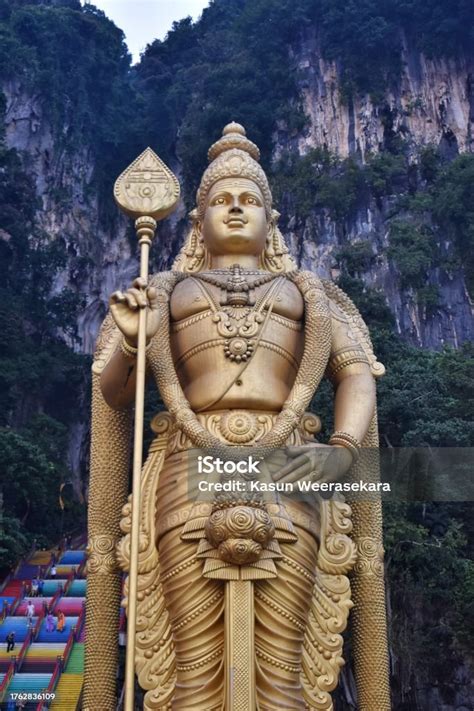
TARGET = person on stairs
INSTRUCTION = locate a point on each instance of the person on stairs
(61, 621)
(30, 611)
(49, 622)
(10, 640)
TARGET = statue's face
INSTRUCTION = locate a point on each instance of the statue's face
(235, 221)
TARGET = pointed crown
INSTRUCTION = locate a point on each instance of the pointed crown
(233, 156)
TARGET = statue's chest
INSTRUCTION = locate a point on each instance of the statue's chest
(191, 298)
(212, 327)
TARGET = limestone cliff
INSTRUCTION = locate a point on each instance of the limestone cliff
(432, 104)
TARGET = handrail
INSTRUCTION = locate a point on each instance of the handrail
(52, 684)
(7, 679)
(37, 626)
(6, 581)
(5, 610)
(80, 622)
(24, 647)
(81, 568)
(69, 645)
(54, 600)
(69, 581)
(16, 602)
(47, 570)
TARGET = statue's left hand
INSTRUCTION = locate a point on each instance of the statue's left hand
(314, 462)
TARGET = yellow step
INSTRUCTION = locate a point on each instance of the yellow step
(40, 558)
(68, 692)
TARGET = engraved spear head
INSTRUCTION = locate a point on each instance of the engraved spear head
(147, 187)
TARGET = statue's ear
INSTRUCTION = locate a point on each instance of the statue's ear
(275, 217)
(193, 254)
(276, 257)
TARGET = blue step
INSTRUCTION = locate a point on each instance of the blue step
(32, 683)
(77, 589)
(14, 624)
(56, 636)
(5, 600)
(69, 557)
(51, 586)
(28, 572)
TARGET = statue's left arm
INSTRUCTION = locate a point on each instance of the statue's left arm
(354, 407)
(349, 371)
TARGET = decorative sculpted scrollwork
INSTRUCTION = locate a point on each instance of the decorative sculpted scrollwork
(330, 606)
(101, 554)
(155, 663)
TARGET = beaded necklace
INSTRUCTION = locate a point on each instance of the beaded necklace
(239, 315)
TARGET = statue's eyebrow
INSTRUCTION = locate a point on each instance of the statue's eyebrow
(226, 193)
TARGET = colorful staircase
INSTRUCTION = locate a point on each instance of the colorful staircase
(42, 657)
(44, 660)
(69, 687)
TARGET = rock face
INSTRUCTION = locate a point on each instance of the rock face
(316, 241)
(433, 103)
(99, 260)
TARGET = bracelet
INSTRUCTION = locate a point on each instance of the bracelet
(346, 440)
(128, 350)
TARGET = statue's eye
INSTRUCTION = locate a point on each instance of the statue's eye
(252, 201)
(219, 201)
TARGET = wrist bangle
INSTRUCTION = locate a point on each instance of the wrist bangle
(343, 439)
(128, 350)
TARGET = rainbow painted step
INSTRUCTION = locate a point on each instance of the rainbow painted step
(42, 658)
(70, 605)
(56, 636)
(70, 683)
(17, 625)
(28, 683)
(77, 589)
(72, 557)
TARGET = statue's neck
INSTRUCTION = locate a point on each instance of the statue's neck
(224, 261)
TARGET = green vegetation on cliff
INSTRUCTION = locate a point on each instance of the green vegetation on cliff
(41, 378)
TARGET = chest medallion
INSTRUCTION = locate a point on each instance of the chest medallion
(239, 314)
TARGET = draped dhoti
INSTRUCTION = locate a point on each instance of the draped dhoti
(196, 605)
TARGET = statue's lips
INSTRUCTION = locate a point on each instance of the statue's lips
(236, 223)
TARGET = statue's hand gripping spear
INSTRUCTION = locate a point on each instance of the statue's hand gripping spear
(147, 191)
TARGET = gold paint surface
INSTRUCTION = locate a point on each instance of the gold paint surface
(147, 187)
(214, 632)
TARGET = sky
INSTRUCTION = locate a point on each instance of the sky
(146, 20)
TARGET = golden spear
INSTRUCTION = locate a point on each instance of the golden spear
(147, 191)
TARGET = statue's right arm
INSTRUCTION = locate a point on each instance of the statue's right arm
(117, 381)
(118, 378)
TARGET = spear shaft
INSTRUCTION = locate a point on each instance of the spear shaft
(145, 227)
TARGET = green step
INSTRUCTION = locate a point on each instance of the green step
(75, 664)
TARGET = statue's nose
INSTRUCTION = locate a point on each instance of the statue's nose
(235, 207)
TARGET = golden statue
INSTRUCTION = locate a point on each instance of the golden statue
(241, 599)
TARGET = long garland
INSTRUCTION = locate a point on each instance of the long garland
(312, 367)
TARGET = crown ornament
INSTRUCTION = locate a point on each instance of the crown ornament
(233, 156)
